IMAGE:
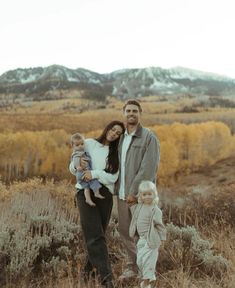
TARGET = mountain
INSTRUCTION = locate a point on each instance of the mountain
(177, 80)
(35, 83)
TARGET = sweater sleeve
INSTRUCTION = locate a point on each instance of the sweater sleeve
(157, 217)
(104, 177)
(158, 224)
(72, 169)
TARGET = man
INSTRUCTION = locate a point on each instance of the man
(139, 155)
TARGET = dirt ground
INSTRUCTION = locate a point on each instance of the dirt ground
(208, 178)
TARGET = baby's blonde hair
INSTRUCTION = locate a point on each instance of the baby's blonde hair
(76, 137)
(148, 186)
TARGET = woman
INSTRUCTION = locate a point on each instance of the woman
(95, 219)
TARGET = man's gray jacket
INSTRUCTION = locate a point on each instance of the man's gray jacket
(142, 160)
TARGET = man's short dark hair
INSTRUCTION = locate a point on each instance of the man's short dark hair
(132, 102)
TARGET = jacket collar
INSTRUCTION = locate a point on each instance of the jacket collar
(138, 131)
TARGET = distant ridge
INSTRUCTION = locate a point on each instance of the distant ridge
(125, 83)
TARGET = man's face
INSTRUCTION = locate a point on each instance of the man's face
(132, 114)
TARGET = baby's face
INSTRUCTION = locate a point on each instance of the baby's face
(78, 145)
(147, 197)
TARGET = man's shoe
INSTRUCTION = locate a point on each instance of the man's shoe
(128, 273)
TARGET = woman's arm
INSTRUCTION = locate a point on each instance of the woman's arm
(103, 177)
(98, 159)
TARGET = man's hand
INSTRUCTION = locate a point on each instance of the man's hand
(131, 200)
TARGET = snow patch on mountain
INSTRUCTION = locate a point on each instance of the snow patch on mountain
(186, 73)
(124, 83)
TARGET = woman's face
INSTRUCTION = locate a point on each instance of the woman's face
(114, 133)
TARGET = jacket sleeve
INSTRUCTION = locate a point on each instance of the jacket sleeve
(104, 177)
(133, 208)
(132, 226)
(149, 164)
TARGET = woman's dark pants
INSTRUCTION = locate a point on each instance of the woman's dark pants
(94, 222)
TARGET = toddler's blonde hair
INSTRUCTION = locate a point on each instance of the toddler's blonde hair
(148, 186)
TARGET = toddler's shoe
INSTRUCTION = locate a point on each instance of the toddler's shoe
(127, 274)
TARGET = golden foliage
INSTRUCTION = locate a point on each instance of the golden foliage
(28, 154)
(184, 148)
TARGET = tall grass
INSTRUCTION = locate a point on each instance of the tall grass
(41, 243)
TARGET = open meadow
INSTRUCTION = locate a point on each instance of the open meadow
(40, 239)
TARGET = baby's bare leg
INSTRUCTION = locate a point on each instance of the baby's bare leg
(98, 195)
(87, 194)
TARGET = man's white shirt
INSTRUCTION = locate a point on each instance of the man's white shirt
(125, 145)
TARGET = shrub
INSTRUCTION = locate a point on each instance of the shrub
(185, 248)
(37, 236)
(202, 209)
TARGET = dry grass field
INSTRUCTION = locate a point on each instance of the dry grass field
(78, 114)
(41, 241)
(40, 238)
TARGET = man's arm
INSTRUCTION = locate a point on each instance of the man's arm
(149, 164)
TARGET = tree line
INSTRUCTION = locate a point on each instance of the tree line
(184, 149)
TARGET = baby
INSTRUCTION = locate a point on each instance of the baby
(77, 142)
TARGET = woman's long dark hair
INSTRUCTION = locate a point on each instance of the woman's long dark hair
(112, 158)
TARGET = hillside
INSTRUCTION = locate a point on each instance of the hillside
(57, 82)
(207, 180)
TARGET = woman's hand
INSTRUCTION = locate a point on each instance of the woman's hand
(83, 163)
(87, 176)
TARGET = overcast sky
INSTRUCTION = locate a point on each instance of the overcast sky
(108, 35)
